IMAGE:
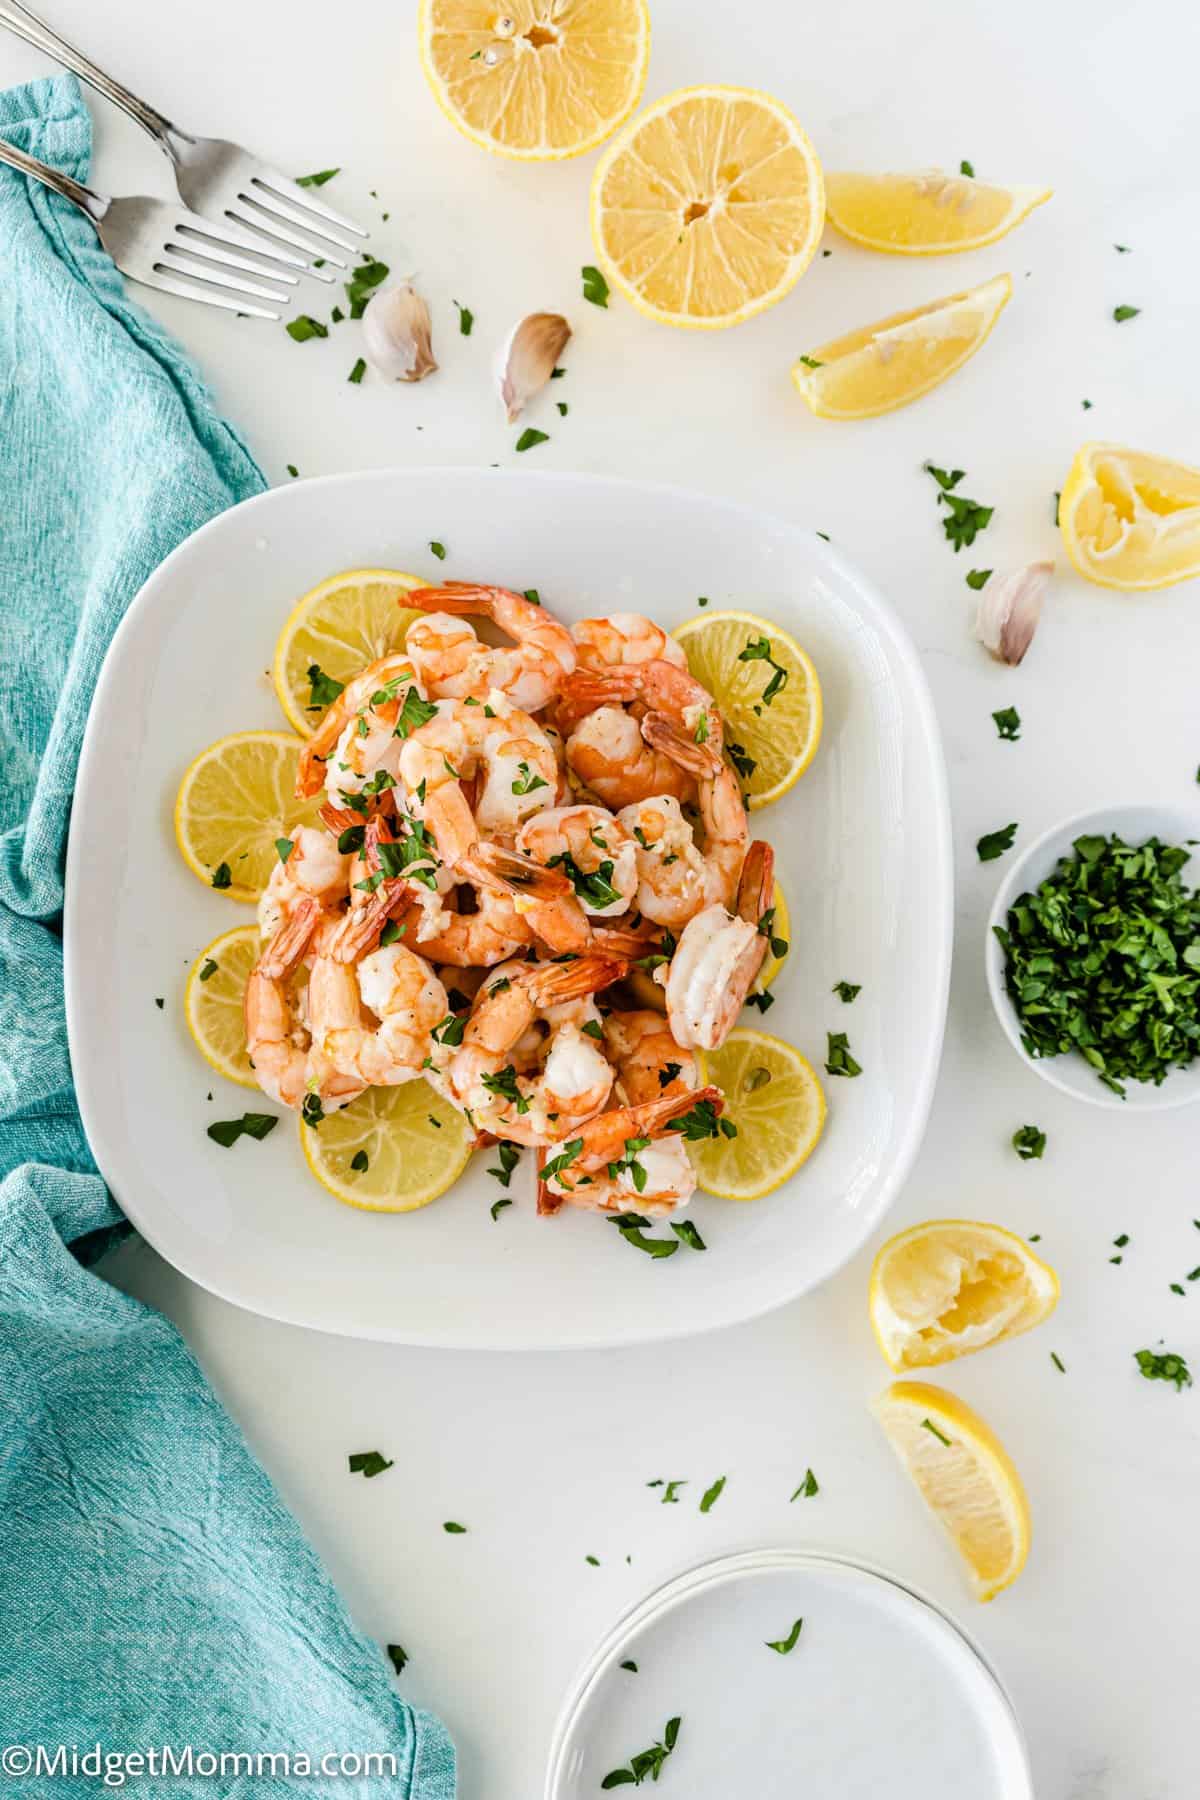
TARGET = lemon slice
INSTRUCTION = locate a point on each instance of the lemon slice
(780, 933)
(708, 206)
(927, 214)
(235, 800)
(1131, 520)
(774, 1099)
(537, 79)
(345, 623)
(393, 1149)
(879, 367)
(212, 1002)
(780, 736)
(966, 1478)
(951, 1286)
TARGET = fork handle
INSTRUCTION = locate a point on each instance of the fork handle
(94, 205)
(26, 24)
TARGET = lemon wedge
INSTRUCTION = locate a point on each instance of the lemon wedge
(337, 629)
(394, 1149)
(772, 727)
(951, 1286)
(212, 1002)
(880, 367)
(966, 1478)
(1130, 520)
(707, 208)
(235, 802)
(535, 79)
(927, 214)
(775, 1101)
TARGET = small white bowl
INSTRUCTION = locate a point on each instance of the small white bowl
(1069, 1072)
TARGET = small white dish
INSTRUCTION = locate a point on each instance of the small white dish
(1069, 1073)
(864, 832)
(882, 1692)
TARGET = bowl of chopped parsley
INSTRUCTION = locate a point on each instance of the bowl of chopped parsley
(1093, 957)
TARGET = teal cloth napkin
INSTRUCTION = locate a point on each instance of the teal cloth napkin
(153, 1589)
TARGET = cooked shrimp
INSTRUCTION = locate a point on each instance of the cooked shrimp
(609, 757)
(624, 638)
(314, 869)
(576, 1078)
(406, 998)
(660, 685)
(495, 931)
(718, 957)
(722, 809)
(355, 743)
(454, 664)
(592, 848)
(648, 1061)
(494, 740)
(277, 1041)
(653, 1173)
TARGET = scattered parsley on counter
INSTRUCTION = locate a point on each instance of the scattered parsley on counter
(670, 1497)
(994, 843)
(160, 1001)
(1121, 313)
(646, 1762)
(1164, 1366)
(362, 282)
(945, 478)
(808, 1487)
(226, 1132)
(1086, 405)
(1104, 958)
(1121, 249)
(631, 1666)
(978, 578)
(595, 288)
(368, 1463)
(300, 330)
(967, 518)
(847, 991)
(712, 1494)
(317, 180)
(466, 318)
(839, 1061)
(557, 374)
(1058, 1362)
(967, 169)
(357, 372)
(222, 876)
(563, 408)
(593, 1561)
(454, 1528)
(399, 1657)
(1008, 724)
(292, 470)
(785, 1646)
(438, 550)
(1029, 1143)
(530, 438)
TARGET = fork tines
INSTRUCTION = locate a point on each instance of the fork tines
(272, 204)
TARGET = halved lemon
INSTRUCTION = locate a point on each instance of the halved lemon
(393, 1149)
(707, 208)
(780, 934)
(235, 801)
(536, 79)
(951, 1286)
(926, 214)
(212, 1002)
(774, 1099)
(879, 367)
(965, 1476)
(337, 628)
(1131, 520)
(772, 726)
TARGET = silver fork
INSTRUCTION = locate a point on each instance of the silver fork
(214, 177)
(163, 245)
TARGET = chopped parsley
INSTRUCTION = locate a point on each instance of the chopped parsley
(1058, 1362)
(209, 969)
(1121, 313)
(712, 1494)
(528, 780)
(368, 1463)
(414, 712)
(646, 1762)
(563, 408)
(786, 1645)
(745, 765)
(1029, 1143)
(630, 1665)
(399, 1658)
(226, 1132)
(993, 844)
(357, 372)
(808, 1487)
(687, 1234)
(284, 848)
(945, 478)
(497, 1206)
(466, 318)
(323, 690)
(454, 1528)
(700, 1122)
(531, 437)
(1008, 724)
(504, 1086)
(978, 578)
(439, 550)
(941, 1437)
(632, 1228)
(668, 1073)
(360, 1162)
(555, 1165)
(966, 168)
(759, 650)
(766, 928)
(312, 1112)
(838, 1060)
(810, 362)
(292, 470)
(1166, 1365)
(965, 520)
(301, 329)
(595, 288)
(510, 1156)
(317, 180)
(222, 876)
(847, 991)
(594, 888)
(361, 283)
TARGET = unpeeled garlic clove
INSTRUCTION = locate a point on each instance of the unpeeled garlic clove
(1009, 609)
(397, 334)
(528, 358)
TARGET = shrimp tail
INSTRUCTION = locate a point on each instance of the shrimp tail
(662, 733)
(514, 874)
(756, 885)
(550, 984)
(359, 931)
(337, 819)
(290, 941)
(628, 942)
(457, 597)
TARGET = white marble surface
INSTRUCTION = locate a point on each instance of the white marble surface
(545, 1458)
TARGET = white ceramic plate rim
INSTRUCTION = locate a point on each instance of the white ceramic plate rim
(1133, 820)
(715, 1572)
(937, 892)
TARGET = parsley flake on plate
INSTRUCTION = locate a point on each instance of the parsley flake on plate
(595, 288)
(531, 437)
(785, 1646)
(808, 1487)
(357, 372)
(368, 1463)
(1121, 313)
(1008, 724)
(839, 1061)
(713, 1494)
(439, 550)
(1029, 1143)
(646, 1762)
(978, 578)
(847, 991)
(993, 844)
(301, 329)
(399, 1658)
(466, 319)
(454, 1528)
(226, 1132)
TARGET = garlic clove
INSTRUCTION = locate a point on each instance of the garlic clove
(528, 357)
(1009, 609)
(397, 334)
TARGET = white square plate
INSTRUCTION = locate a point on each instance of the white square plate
(863, 849)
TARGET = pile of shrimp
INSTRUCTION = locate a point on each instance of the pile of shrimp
(521, 847)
